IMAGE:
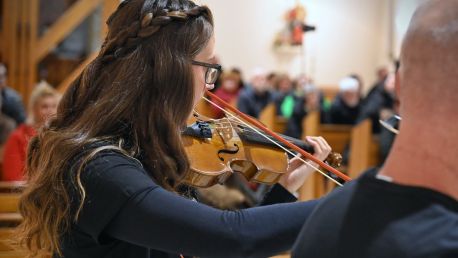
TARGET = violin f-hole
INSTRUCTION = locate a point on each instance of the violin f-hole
(228, 151)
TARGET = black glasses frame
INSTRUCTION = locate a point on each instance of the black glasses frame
(210, 68)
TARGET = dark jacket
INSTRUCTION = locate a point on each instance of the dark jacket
(12, 105)
(341, 113)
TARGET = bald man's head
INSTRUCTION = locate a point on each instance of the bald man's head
(429, 60)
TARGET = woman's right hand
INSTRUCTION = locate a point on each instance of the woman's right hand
(298, 171)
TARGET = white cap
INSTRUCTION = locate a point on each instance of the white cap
(348, 84)
(258, 71)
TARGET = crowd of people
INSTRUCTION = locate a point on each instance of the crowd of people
(295, 98)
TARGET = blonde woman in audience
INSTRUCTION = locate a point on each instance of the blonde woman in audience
(42, 105)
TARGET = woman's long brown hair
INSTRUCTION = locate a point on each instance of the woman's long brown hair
(136, 95)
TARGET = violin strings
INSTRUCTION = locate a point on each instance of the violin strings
(274, 142)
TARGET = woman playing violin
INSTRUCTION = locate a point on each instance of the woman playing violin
(105, 176)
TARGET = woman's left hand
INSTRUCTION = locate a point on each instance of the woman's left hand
(298, 172)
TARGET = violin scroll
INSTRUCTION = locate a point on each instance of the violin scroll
(334, 159)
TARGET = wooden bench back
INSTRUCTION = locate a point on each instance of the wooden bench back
(364, 149)
(270, 119)
(338, 136)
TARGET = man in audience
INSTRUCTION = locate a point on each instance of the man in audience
(285, 97)
(408, 208)
(382, 73)
(11, 101)
(254, 98)
(360, 83)
(308, 99)
(346, 106)
(379, 98)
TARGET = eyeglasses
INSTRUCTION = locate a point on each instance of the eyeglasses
(212, 73)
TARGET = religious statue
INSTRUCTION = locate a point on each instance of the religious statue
(292, 34)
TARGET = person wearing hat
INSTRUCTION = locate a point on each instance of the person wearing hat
(346, 106)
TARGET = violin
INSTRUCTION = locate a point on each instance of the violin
(228, 146)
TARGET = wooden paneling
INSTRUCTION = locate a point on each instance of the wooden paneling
(9, 215)
(270, 119)
(364, 149)
(75, 73)
(337, 136)
(66, 23)
(12, 187)
(8, 248)
(282, 256)
(32, 8)
(314, 185)
(9, 202)
(21, 48)
(329, 91)
(109, 6)
(18, 36)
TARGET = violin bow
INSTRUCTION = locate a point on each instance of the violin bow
(259, 125)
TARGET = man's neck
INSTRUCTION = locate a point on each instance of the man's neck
(418, 159)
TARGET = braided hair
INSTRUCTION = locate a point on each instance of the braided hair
(151, 22)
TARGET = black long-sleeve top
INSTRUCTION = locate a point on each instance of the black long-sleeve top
(126, 214)
(370, 217)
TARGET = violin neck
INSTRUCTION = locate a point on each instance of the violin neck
(251, 136)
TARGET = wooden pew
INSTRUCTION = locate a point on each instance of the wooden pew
(277, 256)
(9, 215)
(364, 149)
(338, 136)
(5, 239)
(314, 185)
(329, 91)
(13, 254)
(12, 187)
(270, 119)
(9, 249)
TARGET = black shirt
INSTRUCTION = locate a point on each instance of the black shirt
(376, 100)
(11, 105)
(370, 217)
(252, 103)
(126, 214)
(341, 113)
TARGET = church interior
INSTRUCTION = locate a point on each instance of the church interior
(299, 67)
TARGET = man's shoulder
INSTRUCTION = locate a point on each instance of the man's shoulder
(372, 217)
(246, 92)
(10, 93)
